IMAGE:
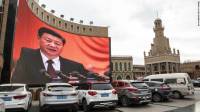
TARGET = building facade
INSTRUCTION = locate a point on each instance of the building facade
(65, 25)
(123, 68)
(138, 71)
(192, 68)
(160, 59)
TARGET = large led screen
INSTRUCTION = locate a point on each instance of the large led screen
(35, 40)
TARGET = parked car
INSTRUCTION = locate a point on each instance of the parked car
(16, 96)
(180, 83)
(2, 106)
(94, 94)
(196, 83)
(58, 96)
(160, 91)
(132, 92)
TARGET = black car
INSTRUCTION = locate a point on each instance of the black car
(196, 83)
(160, 91)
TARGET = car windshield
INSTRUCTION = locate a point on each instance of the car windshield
(60, 88)
(11, 88)
(140, 85)
(102, 86)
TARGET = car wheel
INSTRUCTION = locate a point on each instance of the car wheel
(177, 95)
(41, 109)
(156, 97)
(112, 107)
(146, 103)
(74, 109)
(124, 101)
(86, 107)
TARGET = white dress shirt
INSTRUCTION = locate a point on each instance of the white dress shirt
(56, 62)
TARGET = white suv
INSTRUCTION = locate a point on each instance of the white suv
(16, 96)
(58, 96)
(96, 94)
(2, 106)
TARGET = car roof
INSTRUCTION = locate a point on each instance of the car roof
(13, 84)
(158, 82)
(51, 84)
(167, 75)
(129, 81)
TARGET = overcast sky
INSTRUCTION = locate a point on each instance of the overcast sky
(131, 24)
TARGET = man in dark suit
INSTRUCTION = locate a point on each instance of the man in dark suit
(39, 66)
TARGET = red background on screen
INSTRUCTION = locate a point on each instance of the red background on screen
(92, 52)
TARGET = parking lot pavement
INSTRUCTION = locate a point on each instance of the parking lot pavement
(35, 108)
(188, 104)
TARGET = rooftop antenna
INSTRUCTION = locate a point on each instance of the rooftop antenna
(156, 13)
(198, 12)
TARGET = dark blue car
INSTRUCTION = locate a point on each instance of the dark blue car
(160, 91)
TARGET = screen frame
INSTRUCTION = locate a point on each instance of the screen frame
(8, 42)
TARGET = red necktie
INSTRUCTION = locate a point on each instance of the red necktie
(50, 70)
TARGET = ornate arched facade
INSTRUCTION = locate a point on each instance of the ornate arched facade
(160, 58)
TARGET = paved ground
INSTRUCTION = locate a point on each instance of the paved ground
(188, 104)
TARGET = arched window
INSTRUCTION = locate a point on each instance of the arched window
(128, 77)
(111, 66)
(116, 66)
(65, 25)
(120, 66)
(72, 27)
(59, 23)
(129, 66)
(119, 77)
(32, 5)
(83, 29)
(125, 66)
(47, 18)
(42, 15)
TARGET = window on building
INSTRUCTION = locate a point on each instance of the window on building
(83, 29)
(125, 66)
(111, 66)
(163, 67)
(59, 23)
(77, 28)
(197, 67)
(37, 10)
(116, 66)
(155, 68)
(128, 77)
(42, 15)
(47, 18)
(119, 77)
(72, 27)
(90, 29)
(32, 5)
(120, 66)
(65, 25)
(129, 66)
(54, 21)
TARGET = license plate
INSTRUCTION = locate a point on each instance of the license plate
(6, 98)
(61, 97)
(104, 95)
